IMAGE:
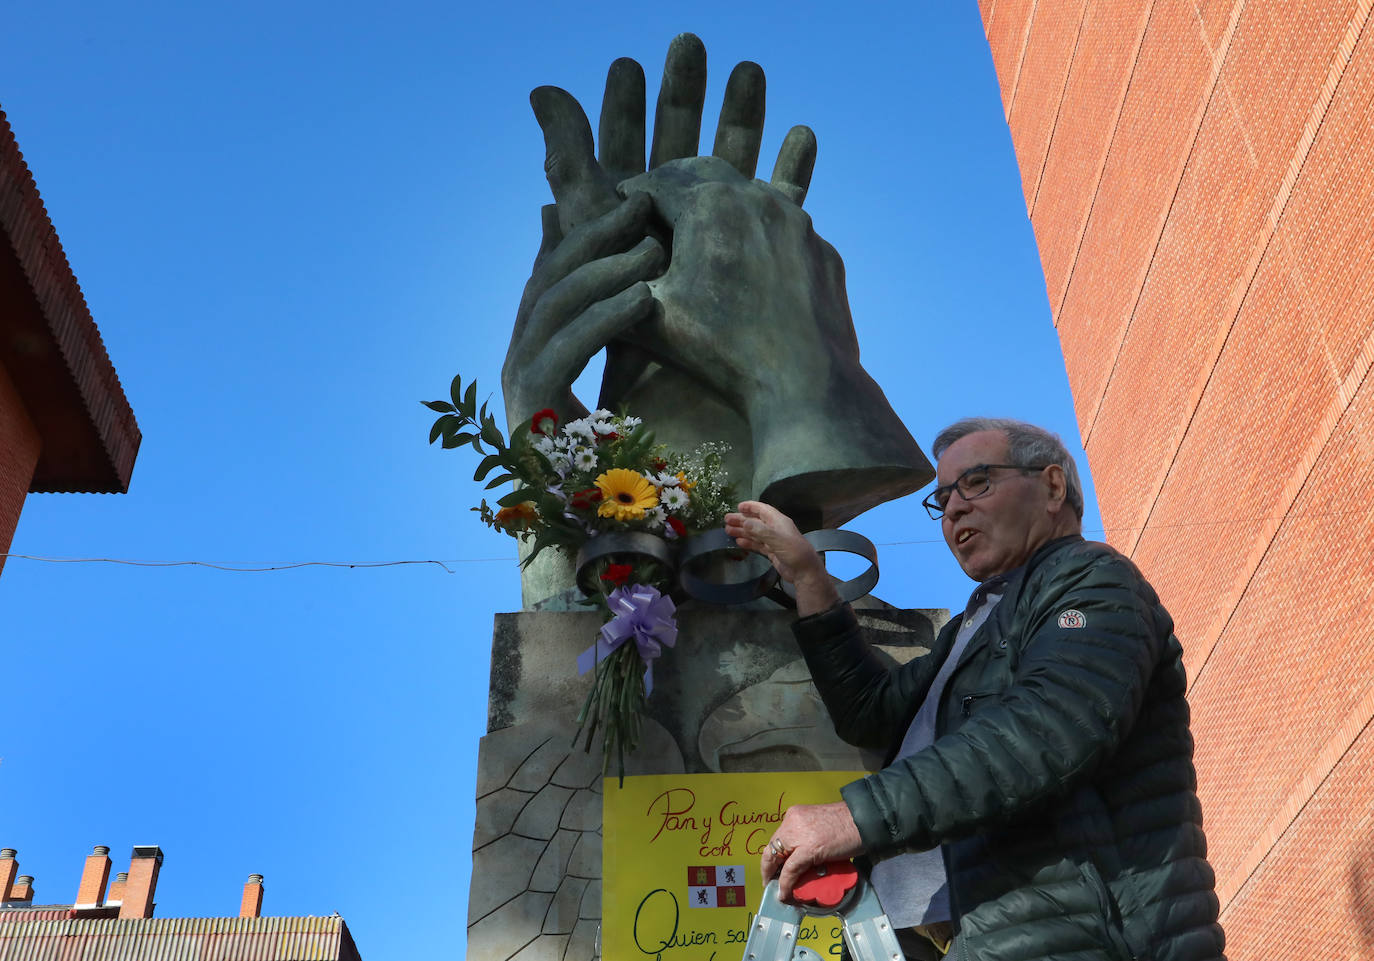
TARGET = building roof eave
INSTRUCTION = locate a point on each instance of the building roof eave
(52, 349)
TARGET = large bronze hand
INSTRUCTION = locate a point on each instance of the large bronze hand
(754, 305)
(746, 338)
(584, 189)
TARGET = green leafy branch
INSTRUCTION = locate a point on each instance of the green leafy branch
(462, 423)
(457, 418)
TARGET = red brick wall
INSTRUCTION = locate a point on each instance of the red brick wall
(1200, 177)
(19, 447)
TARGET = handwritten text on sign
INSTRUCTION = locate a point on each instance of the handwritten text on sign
(680, 876)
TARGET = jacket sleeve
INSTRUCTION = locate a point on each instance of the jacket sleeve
(1073, 696)
(868, 700)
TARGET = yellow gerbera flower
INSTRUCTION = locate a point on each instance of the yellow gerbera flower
(683, 482)
(626, 494)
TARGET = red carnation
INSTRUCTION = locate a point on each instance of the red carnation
(679, 528)
(617, 574)
(607, 438)
(545, 422)
(585, 499)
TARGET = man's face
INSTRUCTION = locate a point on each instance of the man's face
(1000, 530)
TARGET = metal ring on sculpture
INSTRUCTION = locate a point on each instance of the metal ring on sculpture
(632, 546)
(768, 584)
(694, 549)
(832, 539)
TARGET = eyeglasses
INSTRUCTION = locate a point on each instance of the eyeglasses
(972, 484)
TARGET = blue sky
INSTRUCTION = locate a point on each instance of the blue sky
(292, 222)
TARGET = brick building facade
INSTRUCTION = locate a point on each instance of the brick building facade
(1198, 176)
(113, 919)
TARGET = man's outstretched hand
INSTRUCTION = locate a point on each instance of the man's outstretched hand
(766, 530)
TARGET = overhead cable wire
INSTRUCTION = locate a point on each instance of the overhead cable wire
(258, 569)
(358, 565)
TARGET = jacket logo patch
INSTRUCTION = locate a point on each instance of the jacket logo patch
(1072, 618)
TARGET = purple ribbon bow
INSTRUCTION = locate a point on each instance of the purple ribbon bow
(640, 612)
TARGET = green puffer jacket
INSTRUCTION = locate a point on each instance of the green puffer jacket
(1061, 781)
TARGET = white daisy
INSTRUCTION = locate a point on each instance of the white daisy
(656, 517)
(673, 498)
(580, 430)
(584, 458)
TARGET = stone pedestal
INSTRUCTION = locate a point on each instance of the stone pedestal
(733, 695)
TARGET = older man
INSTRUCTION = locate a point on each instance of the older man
(1039, 800)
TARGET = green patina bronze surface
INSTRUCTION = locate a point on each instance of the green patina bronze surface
(724, 316)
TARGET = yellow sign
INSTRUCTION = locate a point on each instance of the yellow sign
(680, 862)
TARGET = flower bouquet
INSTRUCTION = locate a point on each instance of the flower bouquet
(600, 490)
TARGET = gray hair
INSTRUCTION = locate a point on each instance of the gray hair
(1026, 444)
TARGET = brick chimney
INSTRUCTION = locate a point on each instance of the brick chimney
(9, 867)
(251, 905)
(116, 894)
(144, 863)
(94, 876)
(23, 889)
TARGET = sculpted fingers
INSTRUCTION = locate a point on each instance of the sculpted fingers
(740, 128)
(620, 135)
(796, 161)
(550, 237)
(569, 301)
(550, 234)
(610, 233)
(569, 350)
(677, 119)
(580, 187)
